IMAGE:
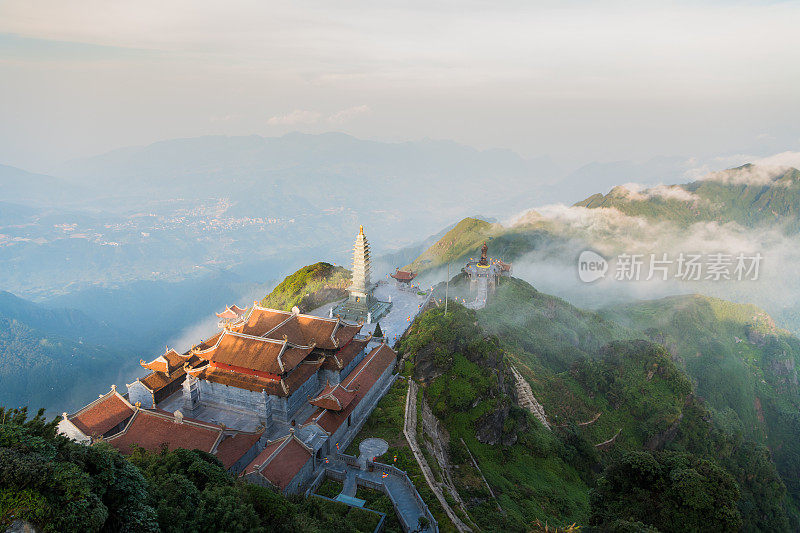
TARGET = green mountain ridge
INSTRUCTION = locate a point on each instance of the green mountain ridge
(769, 196)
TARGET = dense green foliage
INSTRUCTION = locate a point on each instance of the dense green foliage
(668, 491)
(742, 365)
(62, 486)
(310, 287)
(599, 382)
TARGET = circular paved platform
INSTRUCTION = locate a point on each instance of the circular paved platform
(373, 447)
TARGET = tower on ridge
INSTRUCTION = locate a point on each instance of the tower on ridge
(361, 305)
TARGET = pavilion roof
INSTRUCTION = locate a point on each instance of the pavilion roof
(255, 353)
(333, 397)
(280, 461)
(103, 414)
(403, 275)
(360, 380)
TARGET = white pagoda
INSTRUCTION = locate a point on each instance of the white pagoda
(361, 305)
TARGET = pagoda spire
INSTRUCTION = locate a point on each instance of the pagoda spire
(362, 265)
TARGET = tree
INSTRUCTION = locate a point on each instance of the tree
(668, 491)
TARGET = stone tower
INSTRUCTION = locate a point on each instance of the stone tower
(362, 268)
(361, 305)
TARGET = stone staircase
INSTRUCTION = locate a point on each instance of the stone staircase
(527, 400)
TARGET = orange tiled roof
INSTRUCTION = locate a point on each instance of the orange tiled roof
(239, 380)
(152, 429)
(255, 353)
(360, 380)
(280, 461)
(102, 414)
(233, 447)
(299, 329)
(333, 397)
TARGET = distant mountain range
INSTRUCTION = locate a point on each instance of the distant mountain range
(58, 358)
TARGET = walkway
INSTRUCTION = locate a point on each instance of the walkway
(393, 482)
(527, 399)
(410, 431)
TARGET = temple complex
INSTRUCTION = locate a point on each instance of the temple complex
(276, 396)
(271, 395)
(361, 306)
(484, 276)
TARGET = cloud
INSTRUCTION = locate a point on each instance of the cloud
(783, 159)
(636, 191)
(760, 174)
(347, 114)
(298, 116)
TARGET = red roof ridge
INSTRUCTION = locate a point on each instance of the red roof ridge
(102, 398)
(370, 356)
(285, 442)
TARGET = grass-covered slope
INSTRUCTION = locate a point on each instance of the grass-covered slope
(310, 287)
(597, 383)
(464, 242)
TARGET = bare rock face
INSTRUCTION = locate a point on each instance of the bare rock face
(501, 425)
(22, 526)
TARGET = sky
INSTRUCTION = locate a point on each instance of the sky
(577, 81)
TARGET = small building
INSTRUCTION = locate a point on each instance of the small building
(404, 276)
(284, 464)
(167, 373)
(102, 418)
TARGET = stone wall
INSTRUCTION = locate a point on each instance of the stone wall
(137, 392)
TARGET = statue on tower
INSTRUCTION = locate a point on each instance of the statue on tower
(484, 250)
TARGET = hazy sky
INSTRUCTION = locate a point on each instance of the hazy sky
(576, 80)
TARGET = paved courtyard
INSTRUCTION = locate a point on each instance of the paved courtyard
(406, 304)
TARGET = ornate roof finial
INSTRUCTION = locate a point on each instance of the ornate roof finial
(361, 229)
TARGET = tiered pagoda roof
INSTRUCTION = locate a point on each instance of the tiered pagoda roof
(333, 397)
